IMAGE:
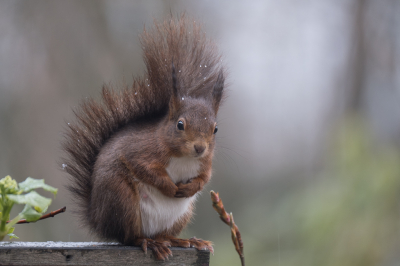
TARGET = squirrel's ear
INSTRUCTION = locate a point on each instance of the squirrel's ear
(174, 102)
(217, 91)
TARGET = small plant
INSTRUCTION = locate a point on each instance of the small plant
(35, 204)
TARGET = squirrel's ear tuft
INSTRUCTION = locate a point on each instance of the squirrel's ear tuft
(217, 91)
(174, 103)
(174, 81)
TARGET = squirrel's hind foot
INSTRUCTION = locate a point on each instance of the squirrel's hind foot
(193, 242)
(160, 246)
(160, 249)
(201, 244)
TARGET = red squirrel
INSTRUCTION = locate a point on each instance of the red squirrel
(138, 159)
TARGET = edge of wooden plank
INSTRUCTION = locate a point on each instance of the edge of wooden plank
(92, 253)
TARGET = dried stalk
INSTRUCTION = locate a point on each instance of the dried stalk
(228, 219)
(51, 214)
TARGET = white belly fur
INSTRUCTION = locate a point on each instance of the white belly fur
(159, 212)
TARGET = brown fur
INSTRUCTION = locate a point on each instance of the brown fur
(127, 140)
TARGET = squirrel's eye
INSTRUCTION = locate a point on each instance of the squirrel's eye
(215, 129)
(180, 125)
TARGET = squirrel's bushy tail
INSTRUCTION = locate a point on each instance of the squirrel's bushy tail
(179, 41)
(96, 123)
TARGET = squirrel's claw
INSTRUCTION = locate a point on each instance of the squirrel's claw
(180, 194)
(144, 246)
(159, 248)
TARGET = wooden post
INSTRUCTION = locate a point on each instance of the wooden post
(92, 253)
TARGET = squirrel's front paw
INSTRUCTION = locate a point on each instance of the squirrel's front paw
(187, 190)
(169, 190)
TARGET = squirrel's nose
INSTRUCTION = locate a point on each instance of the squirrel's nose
(199, 149)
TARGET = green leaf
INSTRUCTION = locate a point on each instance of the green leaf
(12, 236)
(10, 233)
(31, 183)
(30, 214)
(39, 203)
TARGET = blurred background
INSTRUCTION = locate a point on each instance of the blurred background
(308, 156)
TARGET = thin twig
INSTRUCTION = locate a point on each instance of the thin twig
(228, 219)
(51, 214)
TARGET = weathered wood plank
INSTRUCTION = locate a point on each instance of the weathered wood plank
(92, 253)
